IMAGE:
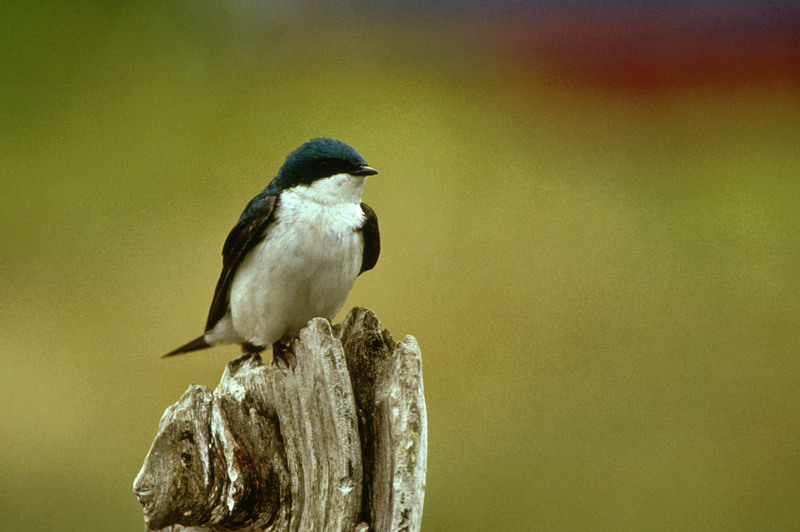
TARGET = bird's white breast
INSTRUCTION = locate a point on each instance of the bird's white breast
(304, 267)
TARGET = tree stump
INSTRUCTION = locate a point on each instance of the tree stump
(339, 443)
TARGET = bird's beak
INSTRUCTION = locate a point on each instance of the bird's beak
(365, 171)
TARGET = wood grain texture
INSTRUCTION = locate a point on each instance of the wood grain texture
(340, 443)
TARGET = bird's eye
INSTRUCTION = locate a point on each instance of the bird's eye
(186, 459)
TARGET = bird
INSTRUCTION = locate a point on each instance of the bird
(295, 252)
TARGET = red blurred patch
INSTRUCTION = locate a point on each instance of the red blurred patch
(645, 55)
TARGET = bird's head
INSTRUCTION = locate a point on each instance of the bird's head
(324, 165)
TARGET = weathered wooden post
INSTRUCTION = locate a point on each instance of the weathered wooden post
(340, 443)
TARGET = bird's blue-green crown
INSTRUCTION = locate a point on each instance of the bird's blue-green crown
(317, 159)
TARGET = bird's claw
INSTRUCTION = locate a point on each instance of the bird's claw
(283, 354)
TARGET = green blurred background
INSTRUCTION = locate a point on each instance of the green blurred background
(600, 261)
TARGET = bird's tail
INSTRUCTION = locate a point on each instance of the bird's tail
(195, 345)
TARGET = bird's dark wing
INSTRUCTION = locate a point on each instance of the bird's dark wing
(244, 236)
(372, 239)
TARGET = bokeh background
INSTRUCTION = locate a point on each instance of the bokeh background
(589, 216)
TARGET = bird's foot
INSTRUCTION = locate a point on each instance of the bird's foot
(251, 349)
(283, 353)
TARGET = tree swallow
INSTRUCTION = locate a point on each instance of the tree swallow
(295, 252)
